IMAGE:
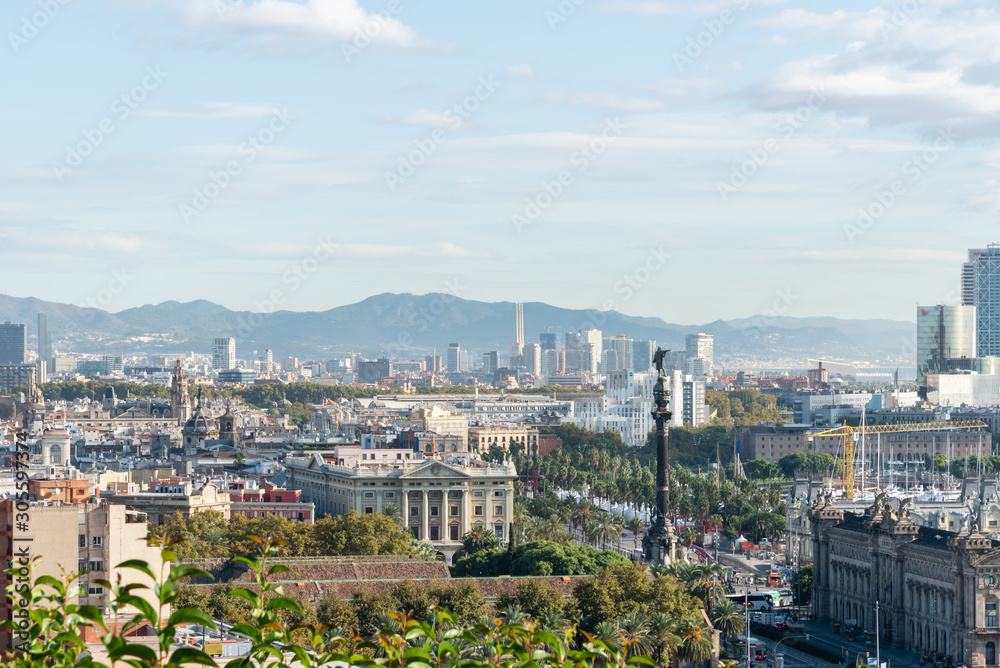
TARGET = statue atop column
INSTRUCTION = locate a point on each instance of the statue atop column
(660, 543)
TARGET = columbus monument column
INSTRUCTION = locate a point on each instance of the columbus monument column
(660, 542)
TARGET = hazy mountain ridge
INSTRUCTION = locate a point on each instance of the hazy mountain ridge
(410, 325)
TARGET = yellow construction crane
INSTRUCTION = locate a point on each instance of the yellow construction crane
(851, 434)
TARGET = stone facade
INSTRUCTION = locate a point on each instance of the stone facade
(440, 501)
(937, 591)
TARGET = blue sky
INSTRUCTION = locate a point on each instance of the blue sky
(689, 162)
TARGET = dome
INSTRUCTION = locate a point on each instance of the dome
(200, 423)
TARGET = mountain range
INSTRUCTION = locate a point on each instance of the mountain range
(408, 326)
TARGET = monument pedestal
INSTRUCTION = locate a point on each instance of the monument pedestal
(660, 544)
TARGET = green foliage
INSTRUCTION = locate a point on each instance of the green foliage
(809, 463)
(802, 583)
(539, 558)
(744, 407)
(209, 535)
(615, 592)
(533, 597)
(760, 469)
(937, 463)
(284, 633)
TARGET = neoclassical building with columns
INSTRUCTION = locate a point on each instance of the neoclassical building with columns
(440, 500)
(937, 590)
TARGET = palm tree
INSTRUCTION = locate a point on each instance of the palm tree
(728, 618)
(663, 639)
(608, 632)
(478, 539)
(636, 525)
(695, 640)
(635, 634)
(392, 510)
(553, 621)
(239, 458)
(512, 615)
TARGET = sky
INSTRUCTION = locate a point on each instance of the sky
(689, 161)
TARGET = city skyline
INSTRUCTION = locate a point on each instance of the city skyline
(843, 145)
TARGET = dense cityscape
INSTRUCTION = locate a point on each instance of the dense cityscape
(559, 334)
(517, 480)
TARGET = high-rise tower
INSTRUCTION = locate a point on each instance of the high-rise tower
(986, 299)
(44, 342)
(517, 348)
(13, 343)
(224, 353)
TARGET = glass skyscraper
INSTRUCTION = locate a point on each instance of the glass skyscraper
(986, 297)
(13, 343)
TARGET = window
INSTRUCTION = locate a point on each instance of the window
(434, 511)
(98, 541)
(498, 494)
(453, 511)
(390, 495)
(498, 530)
(369, 510)
(96, 566)
(414, 511)
(478, 494)
(498, 510)
(478, 510)
(991, 654)
(991, 615)
(83, 541)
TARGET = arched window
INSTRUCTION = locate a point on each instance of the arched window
(991, 654)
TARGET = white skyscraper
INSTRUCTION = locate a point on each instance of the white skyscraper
(700, 354)
(224, 354)
(454, 359)
(596, 340)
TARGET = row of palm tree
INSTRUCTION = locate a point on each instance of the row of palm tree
(738, 506)
(666, 640)
(659, 636)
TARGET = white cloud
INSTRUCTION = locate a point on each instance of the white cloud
(428, 118)
(653, 8)
(925, 68)
(521, 70)
(339, 19)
